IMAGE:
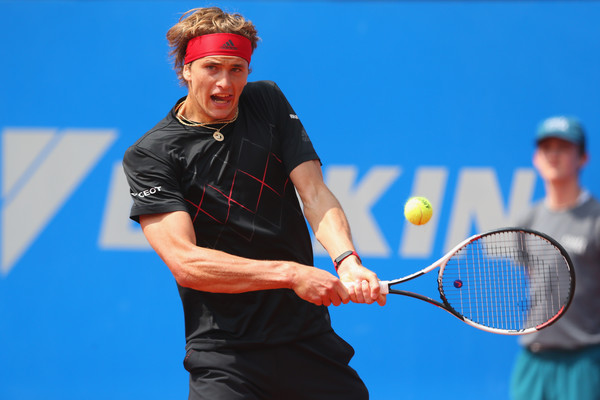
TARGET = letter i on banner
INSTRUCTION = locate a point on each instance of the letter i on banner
(418, 241)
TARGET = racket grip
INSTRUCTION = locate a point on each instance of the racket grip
(383, 286)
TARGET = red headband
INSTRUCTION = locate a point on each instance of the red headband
(225, 44)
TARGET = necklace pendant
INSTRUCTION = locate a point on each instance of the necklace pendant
(218, 136)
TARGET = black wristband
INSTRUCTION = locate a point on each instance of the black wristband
(343, 256)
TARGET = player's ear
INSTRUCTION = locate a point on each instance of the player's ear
(536, 158)
(583, 159)
(187, 72)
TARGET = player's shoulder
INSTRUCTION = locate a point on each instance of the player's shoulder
(592, 206)
(526, 217)
(262, 97)
(261, 89)
(594, 202)
(262, 85)
(158, 136)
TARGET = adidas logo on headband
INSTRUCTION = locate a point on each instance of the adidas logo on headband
(228, 45)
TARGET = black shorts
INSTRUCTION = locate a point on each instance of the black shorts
(312, 369)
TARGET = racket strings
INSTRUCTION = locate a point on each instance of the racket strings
(507, 280)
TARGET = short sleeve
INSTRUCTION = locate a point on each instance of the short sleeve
(296, 144)
(152, 182)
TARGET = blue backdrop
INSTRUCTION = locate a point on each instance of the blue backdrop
(432, 98)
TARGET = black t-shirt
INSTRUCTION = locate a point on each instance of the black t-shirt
(241, 201)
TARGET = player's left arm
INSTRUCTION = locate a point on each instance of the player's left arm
(330, 225)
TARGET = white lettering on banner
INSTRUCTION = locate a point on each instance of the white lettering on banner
(478, 201)
(45, 161)
(357, 201)
(32, 159)
(118, 230)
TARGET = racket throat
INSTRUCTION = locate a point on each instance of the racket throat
(443, 306)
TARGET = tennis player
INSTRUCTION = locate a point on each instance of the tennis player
(562, 361)
(214, 190)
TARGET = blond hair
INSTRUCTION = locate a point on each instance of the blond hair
(204, 21)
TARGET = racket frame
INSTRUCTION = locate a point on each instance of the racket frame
(386, 286)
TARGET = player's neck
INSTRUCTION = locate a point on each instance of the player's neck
(188, 110)
(563, 195)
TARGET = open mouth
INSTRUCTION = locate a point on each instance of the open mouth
(221, 98)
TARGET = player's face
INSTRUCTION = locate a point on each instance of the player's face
(558, 160)
(215, 84)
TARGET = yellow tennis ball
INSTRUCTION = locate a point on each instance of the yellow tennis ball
(418, 210)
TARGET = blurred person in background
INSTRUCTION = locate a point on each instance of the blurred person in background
(562, 361)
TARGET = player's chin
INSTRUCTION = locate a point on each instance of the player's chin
(223, 115)
(223, 109)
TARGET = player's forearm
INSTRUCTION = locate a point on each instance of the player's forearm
(329, 223)
(321, 209)
(172, 236)
(215, 271)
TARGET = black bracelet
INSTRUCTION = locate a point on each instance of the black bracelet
(343, 256)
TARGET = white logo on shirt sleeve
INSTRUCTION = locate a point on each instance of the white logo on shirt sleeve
(147, 192)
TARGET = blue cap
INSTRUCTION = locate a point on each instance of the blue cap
(566, 128)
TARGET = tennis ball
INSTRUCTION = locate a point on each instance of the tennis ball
(418, 210)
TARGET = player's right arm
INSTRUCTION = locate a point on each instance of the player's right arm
(173, 238)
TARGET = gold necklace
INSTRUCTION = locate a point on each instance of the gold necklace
(218, 136)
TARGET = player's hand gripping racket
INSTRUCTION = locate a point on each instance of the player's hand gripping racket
(510, 281)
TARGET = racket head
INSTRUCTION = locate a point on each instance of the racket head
(511, 281)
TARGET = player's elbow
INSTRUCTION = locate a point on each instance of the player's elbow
(182, 278)
(182, 272)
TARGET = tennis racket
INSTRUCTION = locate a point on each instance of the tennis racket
(509, 281)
